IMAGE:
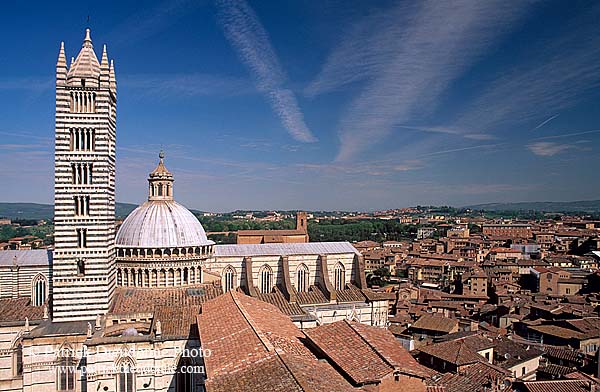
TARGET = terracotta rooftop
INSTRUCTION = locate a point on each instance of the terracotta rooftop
(144, 300)
(504, 250)
(253, 340)
(560, 332)
(435, 323)
(510, 353)
(557, 386)
(455, 352)
(478, 377)
(278, 299)
(314, 295)
(562, 353)
(176, 308)
(556, 370)
(17, 309)
(365, 354)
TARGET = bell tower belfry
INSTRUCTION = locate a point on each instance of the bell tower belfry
(84, 185)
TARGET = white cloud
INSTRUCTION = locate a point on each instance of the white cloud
(187, 85)
(364, 51)
(249, 38)
(409, 64)
(31, 84)
(546, 121)
(556, 73)
(149, 22)
(547, 149)
(450, 131)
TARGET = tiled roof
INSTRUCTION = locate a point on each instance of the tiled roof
(366, 354)
(425, 262)
(49, 328)
(478, 342)
(453, 336)
(259, 374)
(556, 370)
(352, 293)
(435, 323)
(175, 308)
(314, 295)
(140, 300)
(378, 296)
(478, 377)
(577, 375)
(178, 321)
(344, 347)
(553, 330)
(557, 386)
(17, 309)
(42, 257)
(255, 347)
(309, 248)
(390, 349)
(436, 388)
(455, 352)
(586, 325)
(277, 298)
(562, 353)
(366, 244)
(511, 353)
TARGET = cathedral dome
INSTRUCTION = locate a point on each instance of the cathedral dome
(161, 222)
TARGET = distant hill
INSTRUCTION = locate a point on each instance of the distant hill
(26, 211)
(46, 211)
(585, 206)
(124, 209)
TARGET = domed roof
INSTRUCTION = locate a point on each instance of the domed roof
(161, 224)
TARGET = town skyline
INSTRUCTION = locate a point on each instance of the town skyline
(323, 118)
(315, 125)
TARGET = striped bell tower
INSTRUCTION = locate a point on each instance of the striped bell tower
(84, 185)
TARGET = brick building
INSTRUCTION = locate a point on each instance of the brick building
(512, 230)
(300, 234)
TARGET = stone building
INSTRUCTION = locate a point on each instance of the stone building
(26, 273)
(511, 230)
(475, 282)
(108, 311)
(300, 234)
(84, 190)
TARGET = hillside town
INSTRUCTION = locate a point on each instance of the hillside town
(304, 180)
(511, 301)
(474, 303)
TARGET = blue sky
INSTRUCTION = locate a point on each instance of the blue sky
(356, 105)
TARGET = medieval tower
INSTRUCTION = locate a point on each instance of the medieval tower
(84, 185)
